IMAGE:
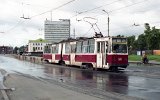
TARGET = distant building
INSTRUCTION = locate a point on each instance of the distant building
(56, 31)
(37, 45)
(6, 49)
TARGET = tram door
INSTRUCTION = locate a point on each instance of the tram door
(101, 54)
(72, 53)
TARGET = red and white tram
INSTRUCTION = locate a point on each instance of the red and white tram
(97, 52)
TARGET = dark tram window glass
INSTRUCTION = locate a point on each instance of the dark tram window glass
(98, 47)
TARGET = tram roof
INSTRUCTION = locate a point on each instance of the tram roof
(85, 38)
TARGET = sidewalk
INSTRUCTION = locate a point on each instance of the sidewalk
(28, 88)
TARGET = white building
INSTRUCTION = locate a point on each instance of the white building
(37, 45)
(56, 31)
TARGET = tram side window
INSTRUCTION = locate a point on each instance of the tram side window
(79, 47)
(107, 49)
(47, 49)
(67, 48)
(55, 49)
(73, 48)
(98, 47)
(85, 47)
(119, 48)
(91, 46)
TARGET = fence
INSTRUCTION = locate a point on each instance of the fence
(135, 52)
(156, 52)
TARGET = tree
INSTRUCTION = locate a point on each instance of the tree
(149, 40)
(147, 26)
(147, 33)
(15, 50)
(152, 37)
(131, 41)
(22, 49)
(120, 35)
(142, 44)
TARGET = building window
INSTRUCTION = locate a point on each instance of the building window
(34, 49)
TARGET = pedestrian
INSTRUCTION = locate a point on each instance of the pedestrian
(144, 58)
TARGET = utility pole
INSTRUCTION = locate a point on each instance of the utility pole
(74, 32)
(108, 20)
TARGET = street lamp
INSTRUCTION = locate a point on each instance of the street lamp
(108, 20)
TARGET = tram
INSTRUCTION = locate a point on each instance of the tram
(96, 52)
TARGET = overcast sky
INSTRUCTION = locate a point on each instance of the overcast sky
(16, 31)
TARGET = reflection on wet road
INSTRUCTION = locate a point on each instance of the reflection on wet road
(122, 83)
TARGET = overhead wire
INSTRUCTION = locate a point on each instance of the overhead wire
(53, 8)
(111, 10)
(94, 9)
(20, 22)
(107, 5)
(12, 28)
(128, 6)
(87, 31)
(79, 13)
(123, 8)
(139, 25)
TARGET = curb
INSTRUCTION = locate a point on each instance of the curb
(139, 63)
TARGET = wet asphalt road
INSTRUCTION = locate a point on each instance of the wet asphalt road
(136, 81)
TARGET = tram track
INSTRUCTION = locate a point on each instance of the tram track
(82, 88)
(135, 72)
(140, 79)
(98, 93)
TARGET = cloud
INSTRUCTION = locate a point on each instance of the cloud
(121, 19)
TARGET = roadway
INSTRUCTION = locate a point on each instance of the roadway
(137, 82)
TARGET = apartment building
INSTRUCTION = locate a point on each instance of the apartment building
(56, 31)
(37, 45)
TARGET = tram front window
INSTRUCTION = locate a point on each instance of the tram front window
(119, 48)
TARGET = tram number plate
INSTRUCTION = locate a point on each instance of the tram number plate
(119, 59)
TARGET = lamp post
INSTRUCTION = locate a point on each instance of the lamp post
(108, 20)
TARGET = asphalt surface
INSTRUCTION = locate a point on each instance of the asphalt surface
(135, 83)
